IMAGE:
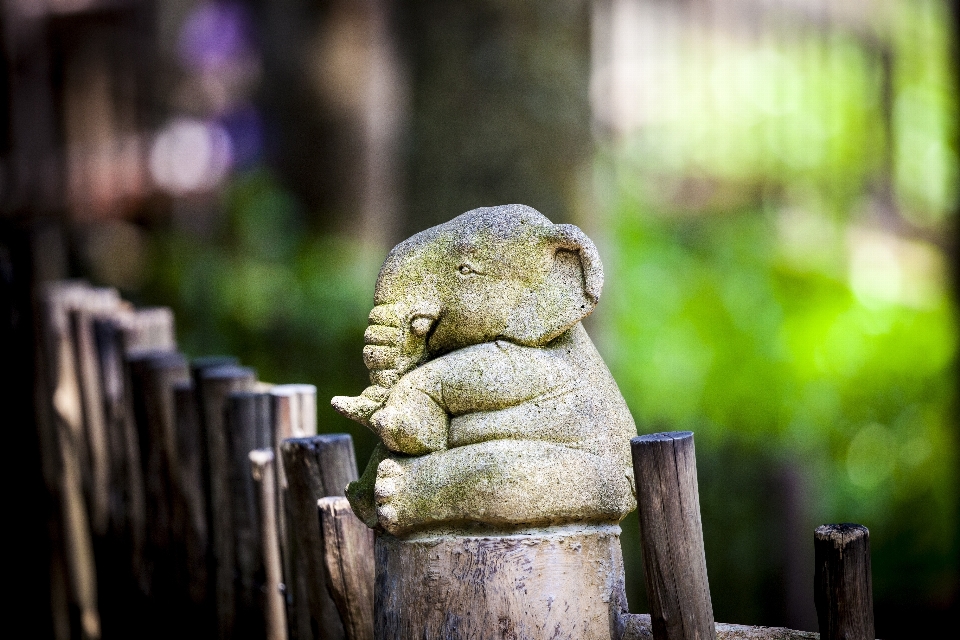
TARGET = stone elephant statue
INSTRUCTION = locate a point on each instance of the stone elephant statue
(494, 409)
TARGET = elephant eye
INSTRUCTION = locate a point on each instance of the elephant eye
(465, 269)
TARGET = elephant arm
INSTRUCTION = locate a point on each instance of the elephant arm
(479, 379)
(501, 483)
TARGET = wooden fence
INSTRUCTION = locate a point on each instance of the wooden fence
(195, 501)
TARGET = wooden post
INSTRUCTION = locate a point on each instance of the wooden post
(112, 558)
(261, 461)
(65, 455)
(843, 583)
(348, 561)
(557, 582)
(290, 420)
(215, 385)
(671, 536)
(152, 376)
(247, 428)
(101, 302)
(190, 513)
(315, 468)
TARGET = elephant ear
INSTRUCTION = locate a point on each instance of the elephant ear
(569, 292)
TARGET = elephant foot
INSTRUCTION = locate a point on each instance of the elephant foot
(362, 502)
(360, 492)
(392, 510)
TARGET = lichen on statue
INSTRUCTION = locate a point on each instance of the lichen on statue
(493, 407)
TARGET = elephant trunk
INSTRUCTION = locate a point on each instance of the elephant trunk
(395, 343)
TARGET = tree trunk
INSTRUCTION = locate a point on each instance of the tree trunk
(562, 583)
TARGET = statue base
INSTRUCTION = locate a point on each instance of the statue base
(562, 582)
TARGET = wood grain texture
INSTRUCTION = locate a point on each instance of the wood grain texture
(152, 375)
(292, 419)
(348, 551)
(215, 384)
(564, 583)
(248, 428)
(101, 303)
(638, 627)
(671, 536)
(274, 605)
(315, 467)
(120, 557)
(66, 466)
(189, 515)
(843, 583)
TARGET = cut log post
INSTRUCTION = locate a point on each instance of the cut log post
(290, 420)
(248, 428)
(637, 627)
(190, 514)
(152, 377)
(66, 467)
(100, 303)
(275, 610)
(121, 557)
(112, 555)
(315, 467)
(215, 385)
(564, 582)
(671, 536)
(843, 583)
(348, 562)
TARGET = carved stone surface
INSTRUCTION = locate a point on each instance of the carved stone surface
(494, 409)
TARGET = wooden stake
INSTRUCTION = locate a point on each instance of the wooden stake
(671, 535)
(215, 385)
(248, 428)
(349, 567)
(190, 512)
(152, 377)
(64, 450)
(127, 512)
(261, 461)
(100, 303)
(315, 468)
(289, 422)
(843, 583)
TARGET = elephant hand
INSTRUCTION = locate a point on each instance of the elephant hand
(360, 408)
(396, 342)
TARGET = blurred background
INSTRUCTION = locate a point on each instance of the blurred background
(773, 186)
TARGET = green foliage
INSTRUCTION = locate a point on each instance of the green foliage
(763, 293)
(775, 360)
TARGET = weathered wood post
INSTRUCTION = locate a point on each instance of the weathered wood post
(152, 375)
(247, 428)
(843, 584)
(275, 609)
(190, 513)
(100, 303)
(348, 562)
(214, 386)
(294, 416)
(316, 467)
(64, 451)
(671, 535)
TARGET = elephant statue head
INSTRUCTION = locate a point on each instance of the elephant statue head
(494, 273)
